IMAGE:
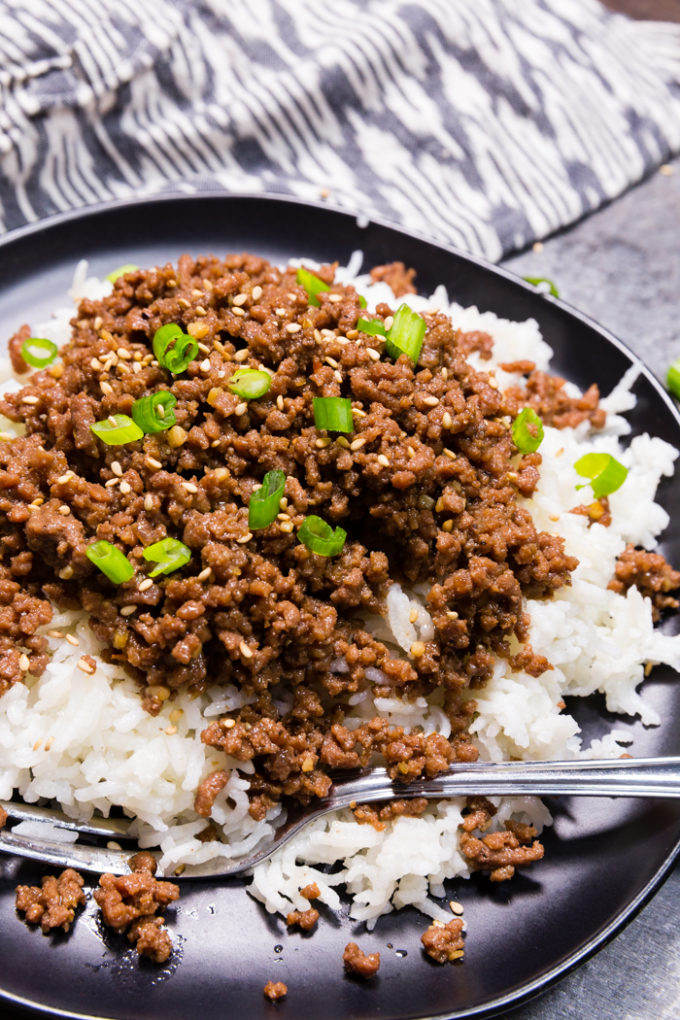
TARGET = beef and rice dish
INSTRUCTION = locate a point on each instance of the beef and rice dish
(237, 471)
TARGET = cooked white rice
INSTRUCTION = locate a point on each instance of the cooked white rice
(86, 742)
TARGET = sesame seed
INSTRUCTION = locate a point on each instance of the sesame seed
(447, 526)
(411, 452)
(283, 517)
(86, 666)
(195, 292)
(190, 487)
(170, 730)
(116, 468)
(37, 502)
(335, 298)
(560, 452)
(352, 334)
(449, 453)
(279, 402)
(241, 408)
(445, 373)
(332, 362)
(204, 574)
(286, 527)
(106, 388)
(183, 303)
(447, 420)
(554, 517)
(127, 610)
(337, 376)
(456, 907)
(123, 353)
(293, 327)
(48, 744)
(148, 502)
(417, 649)
(153, 463)
(321, 443)
(55, 634)
(97, 323)
(373, 354)
(317, 336)
(245, 538)
(257, 292)
(413, 616)
(382, 459)
(24, 662)
(200, 310)
(64, 510)
(431, 401)
(125, 487)
(284, 503)
(452, 614)
(205, 365)
(342, 441)
(238, 311)
(356, 444)
(112, 845)
(112, 420)
(359, 413)
(136, 368)
(145, 584)
(176, 715)
(66, 573)
(160, 410)
(180, 869)
(37, 744)
(228, 724)
(72, 640)
(66, 477)
(245, 651)
(241, 355)
(111, 482)
(29, 400)
(204, 348)
(240, 299)
(96, 364)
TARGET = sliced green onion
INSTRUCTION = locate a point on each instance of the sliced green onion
(536, 281)
(110, 560)
(129, 267)
(527, 431)
(116, 430)
(313, 285)
(264, 504)
(673, 379)
(362, 301)
(320, 537)
(374, 327)
(606, 474)
(406, 334)
(155, 413)
(173, 348)
(250, 383)
(38, 352)
(334, 414)
(170, 554)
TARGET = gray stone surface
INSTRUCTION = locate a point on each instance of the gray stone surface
(622, 267)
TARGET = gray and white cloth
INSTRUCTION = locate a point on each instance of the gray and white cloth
(484, 123)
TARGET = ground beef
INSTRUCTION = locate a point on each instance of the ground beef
(3, 818)
(130, 905)
(52, 904)
(444, 942)
(311, 891)
(366, 814)
(597, 512)
(304, 919)
(275, 990)
(364, 965)
(651, 574)
(396, 276)
(428, 487)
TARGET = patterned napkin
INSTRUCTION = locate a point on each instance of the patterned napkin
(486, 124)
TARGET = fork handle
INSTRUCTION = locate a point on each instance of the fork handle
(621, 777)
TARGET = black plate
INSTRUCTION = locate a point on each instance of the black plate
(604, 858)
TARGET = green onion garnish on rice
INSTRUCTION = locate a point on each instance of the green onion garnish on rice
(313, 285)
(110, 560)
(672, 379)
(334, 414)
(606, 474)
(320, 537)
(170, 554)
(116, 430)
(155, 413)
(38, 352)
(173, 348)
(406, 334)
(265, 502)
(527, 431)
(543, 283)
(250, 383)
(129, 267)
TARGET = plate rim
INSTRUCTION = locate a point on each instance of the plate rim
(77, 215)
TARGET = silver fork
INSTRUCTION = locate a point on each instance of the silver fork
(621, 777)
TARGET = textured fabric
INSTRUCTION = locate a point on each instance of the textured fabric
(485, 123)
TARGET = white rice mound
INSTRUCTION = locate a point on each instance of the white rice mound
(85, 741)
